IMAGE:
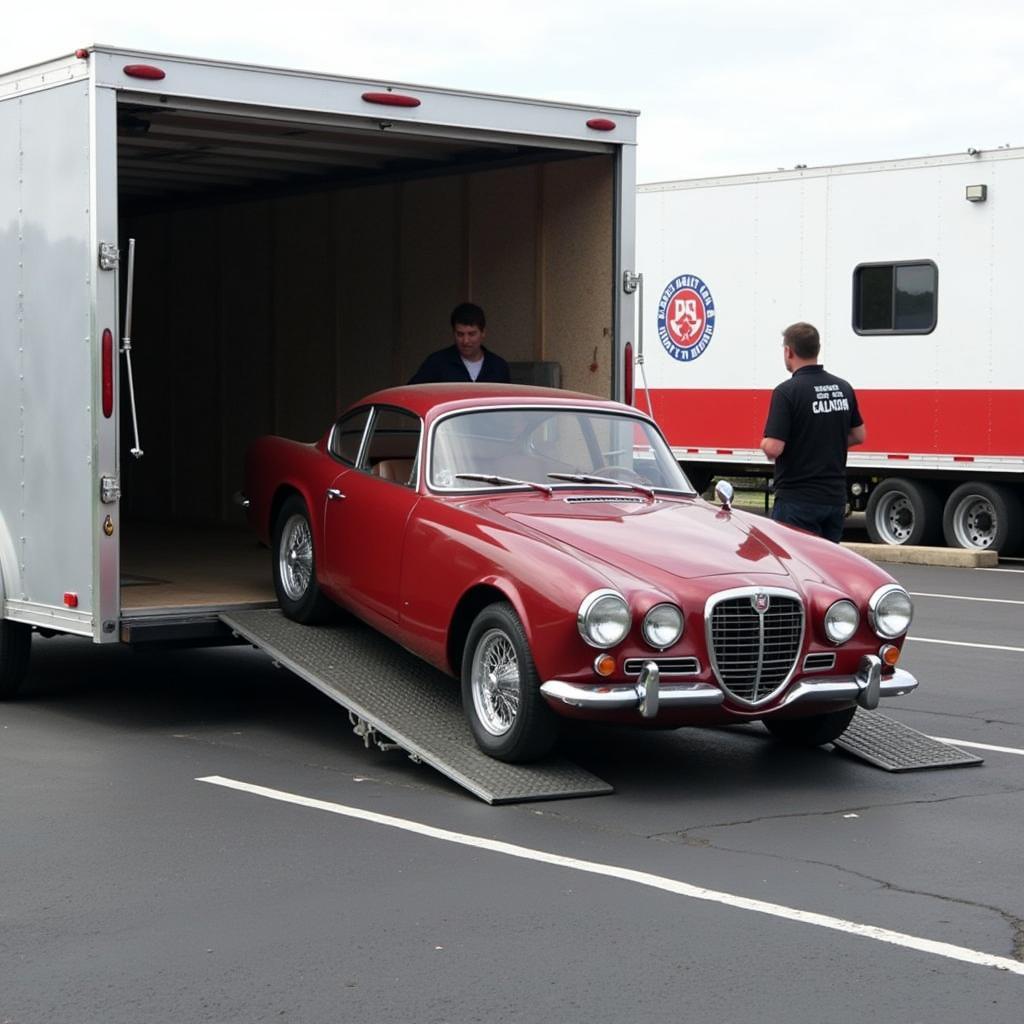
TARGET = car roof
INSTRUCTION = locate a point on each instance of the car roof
(425, 399)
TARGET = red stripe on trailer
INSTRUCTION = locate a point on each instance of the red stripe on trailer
(970, 424)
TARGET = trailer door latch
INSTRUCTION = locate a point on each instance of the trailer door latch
(110, 490)
(110, 256)
(631, 281)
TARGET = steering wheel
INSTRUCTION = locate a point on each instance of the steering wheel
(619, 473)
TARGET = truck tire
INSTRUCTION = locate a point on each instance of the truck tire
(983, 517)
(903, 512)
(15, 649)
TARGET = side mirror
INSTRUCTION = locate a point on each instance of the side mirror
(724, 493)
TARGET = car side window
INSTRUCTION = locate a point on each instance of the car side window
(393, 446)
(347, 436)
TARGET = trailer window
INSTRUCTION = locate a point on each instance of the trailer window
(895, 298)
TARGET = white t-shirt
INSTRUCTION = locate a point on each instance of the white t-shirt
(473, 369)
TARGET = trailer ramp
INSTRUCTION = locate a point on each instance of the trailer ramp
(895, 747)
(396, 700)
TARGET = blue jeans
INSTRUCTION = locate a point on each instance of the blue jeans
(824, 520)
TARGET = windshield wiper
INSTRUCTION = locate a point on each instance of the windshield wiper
(586, 478)
(504, 481)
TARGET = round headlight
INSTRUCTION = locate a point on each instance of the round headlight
(841, 621)
(663, 626)
(890, 610)
(603, 618)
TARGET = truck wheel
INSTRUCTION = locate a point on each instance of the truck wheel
(983, 517)
(903, 512)
(15, 649)
(813, 731)
(295, 582)
(501, 695)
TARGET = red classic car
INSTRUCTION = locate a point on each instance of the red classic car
(546, 548)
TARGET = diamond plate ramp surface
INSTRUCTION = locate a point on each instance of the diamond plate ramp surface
(408, 701)
(891, 745)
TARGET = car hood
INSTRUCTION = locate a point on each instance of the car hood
(684, 538)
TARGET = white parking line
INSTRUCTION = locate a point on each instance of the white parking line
(959, 597)
(979, 746)
(943, 949)
(964, 643)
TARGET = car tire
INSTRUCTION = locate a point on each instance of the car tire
(983, 517)
(903, 512)
(294, 566)
(813, 731)
(15, 652)
(509, 718)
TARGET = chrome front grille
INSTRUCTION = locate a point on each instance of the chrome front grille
(754, 637)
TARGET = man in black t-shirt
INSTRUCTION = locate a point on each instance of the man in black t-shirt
(467, 359)
(813, 419)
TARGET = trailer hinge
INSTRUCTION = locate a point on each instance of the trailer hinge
(369, 735)
(631, 281)
(110, 490)
(110, 256)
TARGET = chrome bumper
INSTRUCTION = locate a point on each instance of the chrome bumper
(866, 686)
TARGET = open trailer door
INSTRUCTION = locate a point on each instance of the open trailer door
(58, 331)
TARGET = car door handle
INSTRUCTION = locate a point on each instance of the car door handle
(333, 494)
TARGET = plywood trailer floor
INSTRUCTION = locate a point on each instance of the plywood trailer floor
(181, 566)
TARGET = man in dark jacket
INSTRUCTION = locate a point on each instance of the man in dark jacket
(812, 421)
(466, 360)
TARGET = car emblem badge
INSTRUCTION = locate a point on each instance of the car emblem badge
(760, 603)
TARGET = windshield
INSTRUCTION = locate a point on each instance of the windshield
(541, 446)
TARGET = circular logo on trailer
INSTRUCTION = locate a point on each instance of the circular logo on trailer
(686, 317)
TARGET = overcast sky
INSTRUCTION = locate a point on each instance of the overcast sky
(723, 88)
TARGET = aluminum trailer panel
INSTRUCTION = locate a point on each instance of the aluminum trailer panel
(46, 359)
(405, 701)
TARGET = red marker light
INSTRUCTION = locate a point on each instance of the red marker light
(108, 373)
(601, 124)
(390, 99)
(143, 71)
(82, 54)
(71, 600)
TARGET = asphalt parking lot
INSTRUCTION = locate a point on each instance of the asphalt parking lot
(727, 878)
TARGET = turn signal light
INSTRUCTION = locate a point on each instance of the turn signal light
(889, 653)
(604, 664)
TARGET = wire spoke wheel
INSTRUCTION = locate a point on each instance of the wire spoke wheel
(496, 682)
(295, 557)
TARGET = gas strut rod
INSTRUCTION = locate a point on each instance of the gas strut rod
(126, 346)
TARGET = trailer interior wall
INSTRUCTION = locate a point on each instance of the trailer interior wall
(271, 315)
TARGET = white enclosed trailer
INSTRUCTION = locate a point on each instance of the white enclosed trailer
(910, 269)
(299, 241)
